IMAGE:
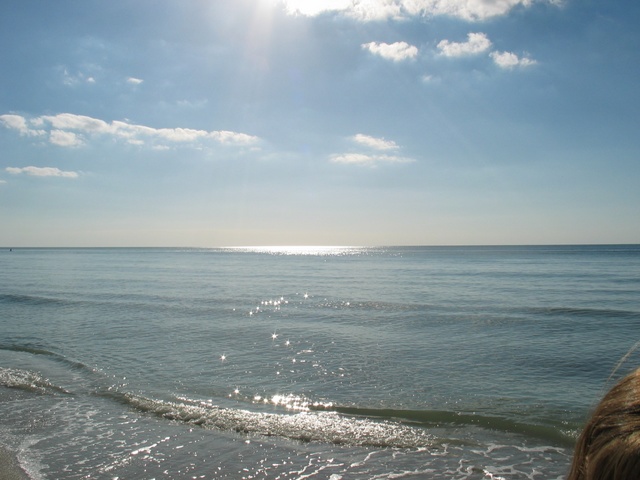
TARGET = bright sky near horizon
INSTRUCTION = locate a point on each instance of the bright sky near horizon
(336, 122)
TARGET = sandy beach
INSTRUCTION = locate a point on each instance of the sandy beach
(9, 468)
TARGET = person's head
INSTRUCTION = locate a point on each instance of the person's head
(609, 446)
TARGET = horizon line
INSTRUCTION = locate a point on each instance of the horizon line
(310, 246)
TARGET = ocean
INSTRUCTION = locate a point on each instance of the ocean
(309, 362)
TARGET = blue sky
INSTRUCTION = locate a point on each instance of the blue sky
(343, 122)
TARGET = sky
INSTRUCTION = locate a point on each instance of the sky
(299, 122)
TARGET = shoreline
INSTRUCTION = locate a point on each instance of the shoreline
(9, 467)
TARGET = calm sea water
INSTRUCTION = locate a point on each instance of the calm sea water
(337, 363)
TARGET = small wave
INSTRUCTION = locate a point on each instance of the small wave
(30, 381)
(587, 312)
(28, 349)
(36, 350)
(30, 299)
(440, 418)
(308, 420)
(320, 426)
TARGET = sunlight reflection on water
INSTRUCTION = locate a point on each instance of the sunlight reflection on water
(302, 250)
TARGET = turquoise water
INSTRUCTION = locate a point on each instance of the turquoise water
(425, 362)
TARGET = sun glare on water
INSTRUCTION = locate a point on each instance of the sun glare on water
(301, 250)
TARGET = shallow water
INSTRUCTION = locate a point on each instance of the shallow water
(432, 362)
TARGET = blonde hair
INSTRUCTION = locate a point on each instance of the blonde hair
(609, 446)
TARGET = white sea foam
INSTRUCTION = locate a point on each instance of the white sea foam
(326, 427)
(27, 380)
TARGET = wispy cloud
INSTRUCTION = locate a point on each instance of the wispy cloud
(75, 79)
(367, 160)
(134, 81)
(71, 130)
(313, 8)
(510, 60)
(476, 43)
(372, 10)
(375, 143)
(41, 172)
(396, 52)
(372, 157)
(193, 103)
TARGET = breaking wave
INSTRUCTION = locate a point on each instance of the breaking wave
(30, 381)
(327, 427)
(352, 426)
(439, 418)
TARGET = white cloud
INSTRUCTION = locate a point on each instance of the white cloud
(17, 122)
(511, 60)
(370, 159)
(70, 121)
(41, 172)
(14, 121)
(476, 43)
(367, 160)
(352, 158)
(372, 10)
(64, 139)
(2, 181)
(312, 8)
(67, 130)
(397, 51)
(373, 142)
(134, 81)
(224, 136)
(471, 10)
(133, 132)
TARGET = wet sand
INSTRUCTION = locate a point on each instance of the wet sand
(9, 468)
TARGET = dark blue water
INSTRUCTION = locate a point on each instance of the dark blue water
(425, 362)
